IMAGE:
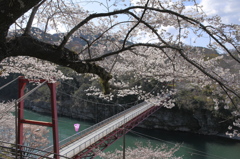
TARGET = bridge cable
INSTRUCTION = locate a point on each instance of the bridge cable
(12, 152)
(30, 92)
(104, 104)
(85, 100)
(24, 97)
(8, 83)
(135, 102)
(96, 103)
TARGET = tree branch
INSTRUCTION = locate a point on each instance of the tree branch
(139, 21)
(86, 20)
(128, 48)
(22, 46)
(10, 11)
(30, 20)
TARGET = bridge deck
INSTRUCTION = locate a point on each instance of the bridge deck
(86, 138)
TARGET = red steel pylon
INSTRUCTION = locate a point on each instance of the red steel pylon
(54, 124)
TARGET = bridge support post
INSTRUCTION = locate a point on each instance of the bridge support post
(19, 135)
(52, 86)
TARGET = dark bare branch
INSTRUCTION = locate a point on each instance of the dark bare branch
(22, 46)
(11, 11)
(128, 48)
(31, 18)
(139, 21)
(86, 20)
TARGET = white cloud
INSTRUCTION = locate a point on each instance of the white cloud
(227, 9)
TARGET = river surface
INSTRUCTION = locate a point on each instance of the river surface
(192, 146)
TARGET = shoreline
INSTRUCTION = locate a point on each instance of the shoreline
(221, 135)
(226, 136)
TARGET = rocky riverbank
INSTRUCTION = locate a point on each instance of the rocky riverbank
(201, 121)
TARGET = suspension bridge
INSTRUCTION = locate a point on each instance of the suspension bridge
(86, 143)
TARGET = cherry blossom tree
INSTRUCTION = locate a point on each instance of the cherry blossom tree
(7, 126)
(140, 40)
(143, 152)
(34, 137)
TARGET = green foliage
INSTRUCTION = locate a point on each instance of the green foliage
(41, 94)
(196, 99)
(105, 86)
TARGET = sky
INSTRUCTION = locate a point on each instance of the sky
(227, 9)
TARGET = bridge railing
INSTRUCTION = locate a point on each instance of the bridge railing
(70, 139)
(96, 126)
(8, 150)
(103, 132)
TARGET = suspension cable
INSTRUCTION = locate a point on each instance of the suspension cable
(8, 83)
(30, 92)
(24, 96)
(39, 150)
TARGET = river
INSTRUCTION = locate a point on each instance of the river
(193, 146)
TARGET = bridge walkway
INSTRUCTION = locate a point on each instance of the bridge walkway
(101, 135)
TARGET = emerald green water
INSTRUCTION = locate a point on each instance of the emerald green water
(192, 146)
